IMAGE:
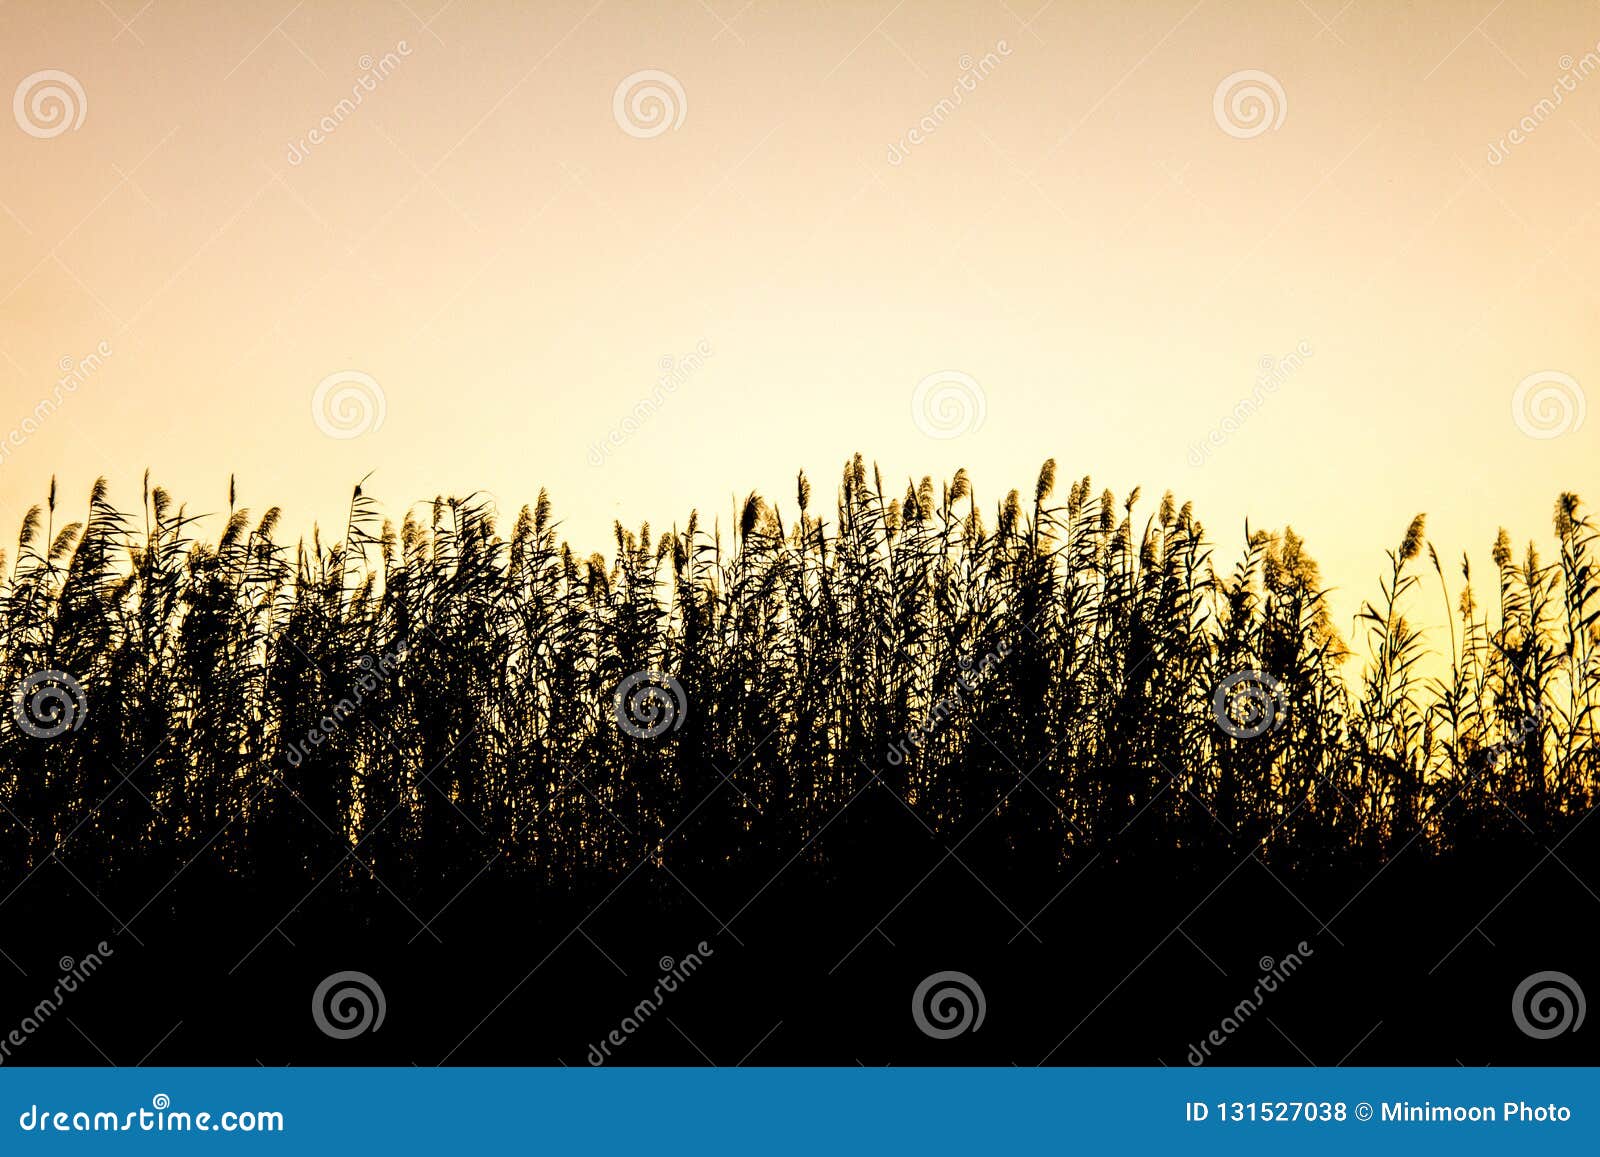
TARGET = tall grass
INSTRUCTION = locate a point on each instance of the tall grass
(415, 702)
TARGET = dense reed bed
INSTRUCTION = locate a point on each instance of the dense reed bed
(1065, 676)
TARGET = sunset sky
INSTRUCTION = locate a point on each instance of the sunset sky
(1093, 239)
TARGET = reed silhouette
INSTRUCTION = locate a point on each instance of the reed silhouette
(784, 721)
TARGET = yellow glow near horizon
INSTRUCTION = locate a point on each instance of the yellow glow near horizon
(1077, 236)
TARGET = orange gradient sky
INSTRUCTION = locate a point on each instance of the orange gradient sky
(1079, 236)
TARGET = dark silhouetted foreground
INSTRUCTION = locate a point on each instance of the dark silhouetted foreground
(1054, 747)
